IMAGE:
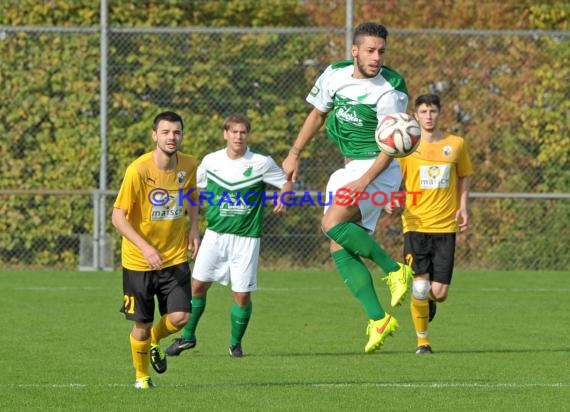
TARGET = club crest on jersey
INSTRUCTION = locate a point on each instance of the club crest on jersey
(446, 151)
(180, 177)
(433, 172)
(248, 171)
(314, 91)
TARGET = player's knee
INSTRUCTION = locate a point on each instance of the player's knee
(439, 296)
(421, 288)
(439, 292)
(178, 319)
(327, 224)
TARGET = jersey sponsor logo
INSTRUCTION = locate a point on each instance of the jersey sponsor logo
(231, 204)
(434, 176)
(314, 91)
(166, 208)
(348, 115)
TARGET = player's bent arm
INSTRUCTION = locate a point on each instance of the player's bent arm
(119, 220)
(314, 121)
(380, 164)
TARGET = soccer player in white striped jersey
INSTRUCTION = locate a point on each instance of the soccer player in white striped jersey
(351, 96)
(234, 179)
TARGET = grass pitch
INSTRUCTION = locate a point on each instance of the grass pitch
(501, 342)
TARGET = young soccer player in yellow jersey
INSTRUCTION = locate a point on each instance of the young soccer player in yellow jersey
(149, 213)
(440, 169)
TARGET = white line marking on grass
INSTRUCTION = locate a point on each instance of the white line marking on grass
(49, 385)
(59, 288)
(549, 290)
(445, 385)
(470, 290)
(436, 385)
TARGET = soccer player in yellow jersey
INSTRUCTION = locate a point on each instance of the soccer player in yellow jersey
(158, 190)
(440, 170)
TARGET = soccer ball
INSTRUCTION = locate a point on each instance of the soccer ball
(398, 134)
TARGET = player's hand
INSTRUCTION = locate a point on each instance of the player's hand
(284, 198)
(291, 166)
(462, 219)
(193, 244)
(152, 257)
(392, 206)
(355, 190)
(280, 208)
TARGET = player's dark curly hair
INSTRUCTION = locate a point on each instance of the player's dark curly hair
(429, 100)
(369, 29)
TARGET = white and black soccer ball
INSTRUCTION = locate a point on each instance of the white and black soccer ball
(398, 134)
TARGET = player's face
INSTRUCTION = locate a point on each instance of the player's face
(427, 116)
(168, 137)
(368, 56)
(236, 139)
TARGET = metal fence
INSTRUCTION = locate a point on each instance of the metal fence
(65, 222)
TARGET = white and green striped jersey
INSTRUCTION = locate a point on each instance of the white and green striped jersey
(233, 191)
(356, 105)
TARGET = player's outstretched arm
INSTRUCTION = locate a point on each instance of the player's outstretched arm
(311, 126)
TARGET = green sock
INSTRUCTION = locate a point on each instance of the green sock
(358, 279)
(240, 319)
(359, 242)
(198, 307)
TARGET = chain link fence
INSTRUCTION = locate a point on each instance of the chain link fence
(496, 92)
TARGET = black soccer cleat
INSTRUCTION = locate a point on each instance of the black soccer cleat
(157, 359)
(179, 345)
(236, 351)
(423, 350)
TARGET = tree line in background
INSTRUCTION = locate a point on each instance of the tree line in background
(507, 94)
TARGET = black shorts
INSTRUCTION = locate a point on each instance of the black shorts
(431, 253)
(170, 285)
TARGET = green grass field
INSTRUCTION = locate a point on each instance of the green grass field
(501, 342)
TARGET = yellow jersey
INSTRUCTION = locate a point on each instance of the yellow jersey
(155, 203)
(432, 172)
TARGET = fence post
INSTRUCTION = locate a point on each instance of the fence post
(96, 232)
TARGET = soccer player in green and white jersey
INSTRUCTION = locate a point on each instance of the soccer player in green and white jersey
(351, 96)
(235, 180)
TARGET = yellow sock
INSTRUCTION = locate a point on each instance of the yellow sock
(161, 330)
(420, 312)
(141, 358)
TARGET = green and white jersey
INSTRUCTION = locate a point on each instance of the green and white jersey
(234, 191)
(356, 105)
